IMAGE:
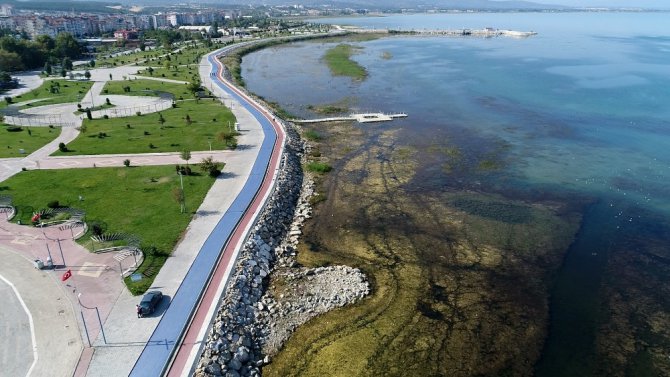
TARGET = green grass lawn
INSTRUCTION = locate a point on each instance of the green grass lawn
(130, 58)
(181, 73)
(31, 141)
(134, 200)
(146, 88)
(146, 134)
(340, 63)
(67, 91)
(188, 55)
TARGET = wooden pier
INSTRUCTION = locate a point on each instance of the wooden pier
(360, 118)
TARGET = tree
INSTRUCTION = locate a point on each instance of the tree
(63, 72)
(7, 82)
(67, 63)
(193, 87)
(67, 46)
(47, 68)
(186, 155)
(188, 120)
(62, 147)
(228, 137)
(161, 120)
(87, 74)
(10, 61)
(45, 42)
(151, 71)
(91, 63)
(126, 162)
(211, 167)
(88, 114)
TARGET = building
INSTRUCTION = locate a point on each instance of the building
(194, 29)
(125, 35)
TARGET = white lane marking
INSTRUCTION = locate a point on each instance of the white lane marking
(30, 319)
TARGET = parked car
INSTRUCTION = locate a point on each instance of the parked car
(149, 303)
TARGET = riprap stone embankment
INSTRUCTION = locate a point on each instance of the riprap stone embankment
(252, 324)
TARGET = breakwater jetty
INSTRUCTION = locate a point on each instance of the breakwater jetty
(360, 118)
(484, 32)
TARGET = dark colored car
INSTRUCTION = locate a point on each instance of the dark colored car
(149, 303)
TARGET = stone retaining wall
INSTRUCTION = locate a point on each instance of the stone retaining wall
(252, 324)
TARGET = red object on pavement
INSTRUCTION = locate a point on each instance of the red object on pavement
(66, 275)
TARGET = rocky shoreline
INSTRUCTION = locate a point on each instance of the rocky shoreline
(251, 324)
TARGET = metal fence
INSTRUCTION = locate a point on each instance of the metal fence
(38, 120)
(119, 112)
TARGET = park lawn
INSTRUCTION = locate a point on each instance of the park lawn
(147, 135)
(132, 200)
(181, 73)
(12, 142)
(147, 88)
(340, 63)
(134, 57)
(69, 91)
(188, 55)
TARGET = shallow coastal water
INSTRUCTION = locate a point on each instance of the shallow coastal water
(577, 114)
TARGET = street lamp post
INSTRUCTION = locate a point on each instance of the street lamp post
(97, 312)
(183, 195)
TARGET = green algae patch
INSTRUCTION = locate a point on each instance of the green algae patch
(460, 280)
(340, 63)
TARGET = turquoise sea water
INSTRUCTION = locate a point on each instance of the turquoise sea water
(580, 110)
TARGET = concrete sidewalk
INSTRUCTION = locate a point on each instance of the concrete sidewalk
(95, 282)
(58, 343)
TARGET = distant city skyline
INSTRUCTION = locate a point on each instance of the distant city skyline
(657, 4)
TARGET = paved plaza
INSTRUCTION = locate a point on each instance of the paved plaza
(65, 314)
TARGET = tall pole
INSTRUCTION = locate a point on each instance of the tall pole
(102, 330)
(183, 195)
(61, 252)
(85, 328)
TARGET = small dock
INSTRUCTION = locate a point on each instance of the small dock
(360, 118)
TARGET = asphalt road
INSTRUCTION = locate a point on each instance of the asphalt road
(15, 338)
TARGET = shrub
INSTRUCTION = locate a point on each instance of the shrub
(97, 229)
(138, 113)
(211, 167)
(62, 147)
(53, 204)
(312, 135)
(105, 116)
(126, 162)
(319, 167)
(147, 133)
(14, 129)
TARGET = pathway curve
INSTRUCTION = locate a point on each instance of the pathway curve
(127, 335)
(97, 277)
